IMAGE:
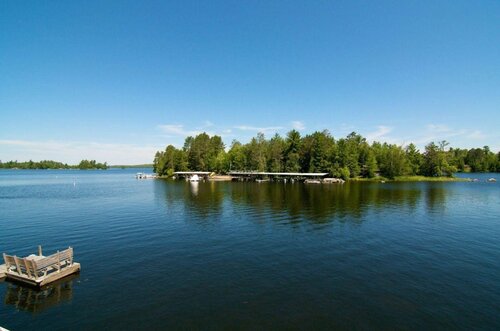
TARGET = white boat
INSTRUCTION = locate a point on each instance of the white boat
(194, 178)
(491, 180)
(141, 175)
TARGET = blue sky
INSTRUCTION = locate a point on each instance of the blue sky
(117, 80)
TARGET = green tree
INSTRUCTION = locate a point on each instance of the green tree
(237, 156)
(349, 152)
(435, 161)
(158, 163)
(370, 167)
(457, 158)
(86, 165)
(256, 153)
(393, 161)
(475, 159)
(275, 154)
(291, 155)
(414, 159)
(181, 160)
(322, 147)
(222, 163)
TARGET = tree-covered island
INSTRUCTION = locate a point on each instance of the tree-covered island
(351, 157)
(48, 164)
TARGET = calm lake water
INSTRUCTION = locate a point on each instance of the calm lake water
(161, 254)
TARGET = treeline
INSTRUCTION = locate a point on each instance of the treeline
(48, 164)
(126, 166)
(91, 164)
(348, 157)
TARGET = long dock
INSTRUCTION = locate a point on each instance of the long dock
(188, 174)
(260, 175)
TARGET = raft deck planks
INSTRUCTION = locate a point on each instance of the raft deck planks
(45, 280)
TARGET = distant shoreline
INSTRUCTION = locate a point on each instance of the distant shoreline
(51, 164)
(23, 169)
(132, 166)
(76, 167)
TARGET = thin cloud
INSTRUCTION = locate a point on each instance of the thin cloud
(176, 129)
(476, 135)
(26, 143)
(457, 137)
(438, 128)
(259, 129)
(436, 132)
(379, 134)
(344, 129)
(298, 125)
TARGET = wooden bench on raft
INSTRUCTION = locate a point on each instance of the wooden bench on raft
(39, 270)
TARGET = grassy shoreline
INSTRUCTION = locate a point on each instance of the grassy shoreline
(412, 179)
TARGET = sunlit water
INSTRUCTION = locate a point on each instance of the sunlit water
(161, 254)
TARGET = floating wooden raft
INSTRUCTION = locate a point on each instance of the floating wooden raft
(2, 272)
(39, 270)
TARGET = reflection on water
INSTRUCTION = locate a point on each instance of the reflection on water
(242, 255)
(316, 203)
(194, 188)
(36, 300)
(435, 197)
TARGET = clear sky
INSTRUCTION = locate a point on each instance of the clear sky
(117, 80)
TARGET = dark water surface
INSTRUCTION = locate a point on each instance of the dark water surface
(159, 254)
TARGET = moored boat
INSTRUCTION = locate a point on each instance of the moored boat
(194, 178)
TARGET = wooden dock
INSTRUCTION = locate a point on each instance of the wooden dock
(3, 269)
(276, 176)
(261, 176)
(39, 270)
(187, 174)
(220, 178)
